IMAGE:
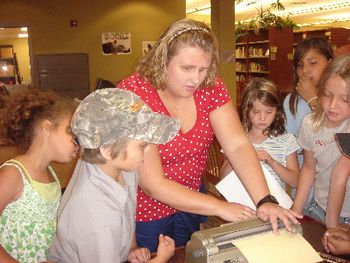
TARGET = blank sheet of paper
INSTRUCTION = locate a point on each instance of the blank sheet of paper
(268, 248)
(233, 190)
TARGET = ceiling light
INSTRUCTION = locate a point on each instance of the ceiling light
(328, 21)
(22, 35)
(25, 29)
(309, 10)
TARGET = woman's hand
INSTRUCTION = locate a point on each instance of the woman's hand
(272, 212)
(139, 255)
(234, 212)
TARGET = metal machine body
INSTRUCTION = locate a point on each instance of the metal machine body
(215, 245)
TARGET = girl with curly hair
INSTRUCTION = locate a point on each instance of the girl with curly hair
(39, 123)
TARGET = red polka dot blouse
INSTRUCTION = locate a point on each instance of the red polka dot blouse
(185, 157)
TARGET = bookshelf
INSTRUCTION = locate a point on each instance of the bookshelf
(337, 37)
(268, 54)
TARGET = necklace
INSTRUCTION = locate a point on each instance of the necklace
(170, 106)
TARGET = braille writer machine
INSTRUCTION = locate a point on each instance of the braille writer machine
(218, 244)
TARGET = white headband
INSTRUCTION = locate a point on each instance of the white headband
(185, 30)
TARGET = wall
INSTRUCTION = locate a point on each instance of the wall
(48, 24)
(20, 46)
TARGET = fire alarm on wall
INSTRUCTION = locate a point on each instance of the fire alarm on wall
(74, 23)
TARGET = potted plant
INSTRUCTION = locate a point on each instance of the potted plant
(265, 19)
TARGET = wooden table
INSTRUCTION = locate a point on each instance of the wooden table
(312, 232)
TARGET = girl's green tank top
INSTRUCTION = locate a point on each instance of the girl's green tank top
(28, 224)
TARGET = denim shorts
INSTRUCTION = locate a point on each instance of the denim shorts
(313, 210)
(178, 226)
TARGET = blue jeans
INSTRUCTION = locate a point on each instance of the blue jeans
(344, 220)
(312, 209)
(178, 226)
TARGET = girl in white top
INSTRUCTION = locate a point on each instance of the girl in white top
(317, 138)
(263, 119)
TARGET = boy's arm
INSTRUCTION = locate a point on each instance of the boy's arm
(337, 190)
(305, 181)
(165, 250)
(133, 242)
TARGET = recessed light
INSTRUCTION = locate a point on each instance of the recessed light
(22, 35)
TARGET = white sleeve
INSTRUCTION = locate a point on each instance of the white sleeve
(305, 132)
(291, 144)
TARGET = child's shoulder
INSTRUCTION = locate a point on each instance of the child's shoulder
(11, 182)
(8, 171)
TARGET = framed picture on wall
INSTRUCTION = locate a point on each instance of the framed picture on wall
(147, 46)
(116, 43)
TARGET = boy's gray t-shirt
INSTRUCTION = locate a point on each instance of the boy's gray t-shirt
(96, 218)
(326, 152)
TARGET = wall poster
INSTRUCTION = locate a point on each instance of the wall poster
(147, 46)
(116, 43)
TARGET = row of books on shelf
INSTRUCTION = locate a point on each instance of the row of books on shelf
(252, 52)
(253, 67)
(244, 78)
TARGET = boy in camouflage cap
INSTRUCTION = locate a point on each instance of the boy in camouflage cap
(96, 218)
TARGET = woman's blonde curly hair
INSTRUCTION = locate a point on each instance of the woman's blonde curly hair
(185, 32)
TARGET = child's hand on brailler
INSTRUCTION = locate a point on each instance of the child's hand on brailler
(166, 248)
(139, 255)
(264, 156)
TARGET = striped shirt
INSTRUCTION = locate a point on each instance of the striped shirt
(279, 148)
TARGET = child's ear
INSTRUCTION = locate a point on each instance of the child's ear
(47, 127)
(106, 152)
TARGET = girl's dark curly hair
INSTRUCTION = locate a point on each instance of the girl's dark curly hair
(267, 93)
(25, 110)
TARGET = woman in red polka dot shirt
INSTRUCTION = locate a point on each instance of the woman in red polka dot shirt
(179, 78)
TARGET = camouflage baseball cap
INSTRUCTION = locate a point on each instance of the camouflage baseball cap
(107, 115)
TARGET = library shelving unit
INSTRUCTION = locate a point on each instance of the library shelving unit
(336, 36)
(7, 65)
(268, 54)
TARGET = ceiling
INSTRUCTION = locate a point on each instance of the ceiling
(305, 13)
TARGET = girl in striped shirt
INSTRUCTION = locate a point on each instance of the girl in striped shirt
(263, 118)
